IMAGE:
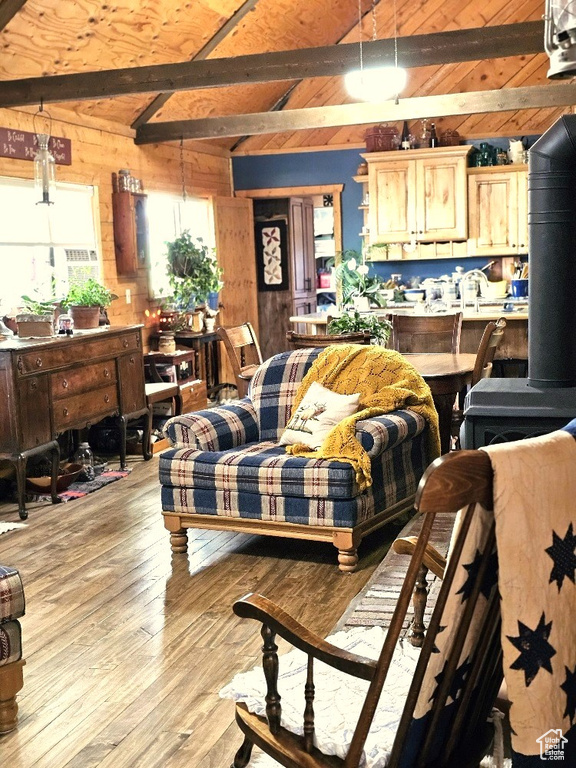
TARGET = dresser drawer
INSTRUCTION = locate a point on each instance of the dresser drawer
(79, 410)
(78, 349)
(74, 381)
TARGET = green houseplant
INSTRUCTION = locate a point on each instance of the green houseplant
(349, 322)
(193, 271)
(352, 275)
(84, 301)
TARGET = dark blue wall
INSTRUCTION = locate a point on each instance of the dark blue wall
(338, 167)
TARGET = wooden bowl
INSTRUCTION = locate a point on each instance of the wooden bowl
(42, 484)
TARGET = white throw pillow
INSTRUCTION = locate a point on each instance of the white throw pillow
(318, 413)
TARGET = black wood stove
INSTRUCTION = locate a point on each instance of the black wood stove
(498, 410)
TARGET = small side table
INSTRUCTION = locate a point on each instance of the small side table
(178, 360)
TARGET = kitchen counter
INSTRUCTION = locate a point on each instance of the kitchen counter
(514, 344)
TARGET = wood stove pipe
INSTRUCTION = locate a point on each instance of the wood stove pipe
(552, 241)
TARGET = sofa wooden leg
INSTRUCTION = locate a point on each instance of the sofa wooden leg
(347, 545)
(347, 560)
(179, 542)
(11, 681)
(178, 536)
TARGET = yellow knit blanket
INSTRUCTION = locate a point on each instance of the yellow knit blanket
(386, 382)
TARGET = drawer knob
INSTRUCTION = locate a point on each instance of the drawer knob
(125, 343)
(132, 361)
(38, 362)
(106, 373)
(65, 411)
(64, 384)
(34, 385)
(106, 398)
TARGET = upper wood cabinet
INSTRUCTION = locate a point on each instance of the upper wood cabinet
(498, 204)
(130, 231)
(417, 195)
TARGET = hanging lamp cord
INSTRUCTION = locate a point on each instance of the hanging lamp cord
(182, 169)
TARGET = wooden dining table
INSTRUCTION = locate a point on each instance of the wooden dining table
(446, 375)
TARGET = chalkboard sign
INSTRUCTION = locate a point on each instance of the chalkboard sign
(23, 145)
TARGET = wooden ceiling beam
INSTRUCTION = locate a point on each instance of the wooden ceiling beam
(161, 99)
(504, 100)
(334, 60)
(9, 9)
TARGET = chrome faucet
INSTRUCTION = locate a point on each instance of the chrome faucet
(479, 276)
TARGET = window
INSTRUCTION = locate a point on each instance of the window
(168, 217)
(39, 243)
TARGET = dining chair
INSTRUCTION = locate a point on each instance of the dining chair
(427, 707)
(243, 352)
(491, 338)
(304, 340)
(426, 333)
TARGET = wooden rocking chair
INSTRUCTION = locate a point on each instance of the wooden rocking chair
(445, 716)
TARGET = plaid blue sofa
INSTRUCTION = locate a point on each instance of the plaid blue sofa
(11, 661)
(227, 471)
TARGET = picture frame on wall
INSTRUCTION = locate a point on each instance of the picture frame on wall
(272, 255)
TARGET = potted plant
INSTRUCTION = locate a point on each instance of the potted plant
(350, 322)
(194, 275)
(85, 300)
(37, 317)
(358, 288)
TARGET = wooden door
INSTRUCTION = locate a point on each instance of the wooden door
(234, 238)
(301, 233)
(493, 205)
(441, 199)
(392, 213)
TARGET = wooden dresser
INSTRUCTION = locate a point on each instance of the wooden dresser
(51, 385)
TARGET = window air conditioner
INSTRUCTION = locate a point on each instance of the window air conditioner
(81, 264)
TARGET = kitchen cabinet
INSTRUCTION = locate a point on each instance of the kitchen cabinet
(130, 231)
(498, 208)
(54, 384)
(417, 196)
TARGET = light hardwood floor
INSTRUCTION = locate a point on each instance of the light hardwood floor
(127, 646)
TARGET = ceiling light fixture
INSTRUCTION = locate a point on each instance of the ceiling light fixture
(44, 163)
(560, 38)
(376, 83)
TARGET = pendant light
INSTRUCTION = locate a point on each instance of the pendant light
(560, 38)
(44, 163)
(376, 83)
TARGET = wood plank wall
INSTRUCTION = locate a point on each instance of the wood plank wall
(99, 151)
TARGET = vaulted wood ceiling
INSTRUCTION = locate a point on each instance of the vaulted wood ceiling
(42, 38)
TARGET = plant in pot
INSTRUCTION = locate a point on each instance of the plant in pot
(85, 300)
(358, 288)
(194, 275)
(352, 322)
(36, 317)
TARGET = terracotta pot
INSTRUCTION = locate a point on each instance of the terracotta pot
(85, 317)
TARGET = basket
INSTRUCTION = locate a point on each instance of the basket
(450, 139)
(380, 138)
